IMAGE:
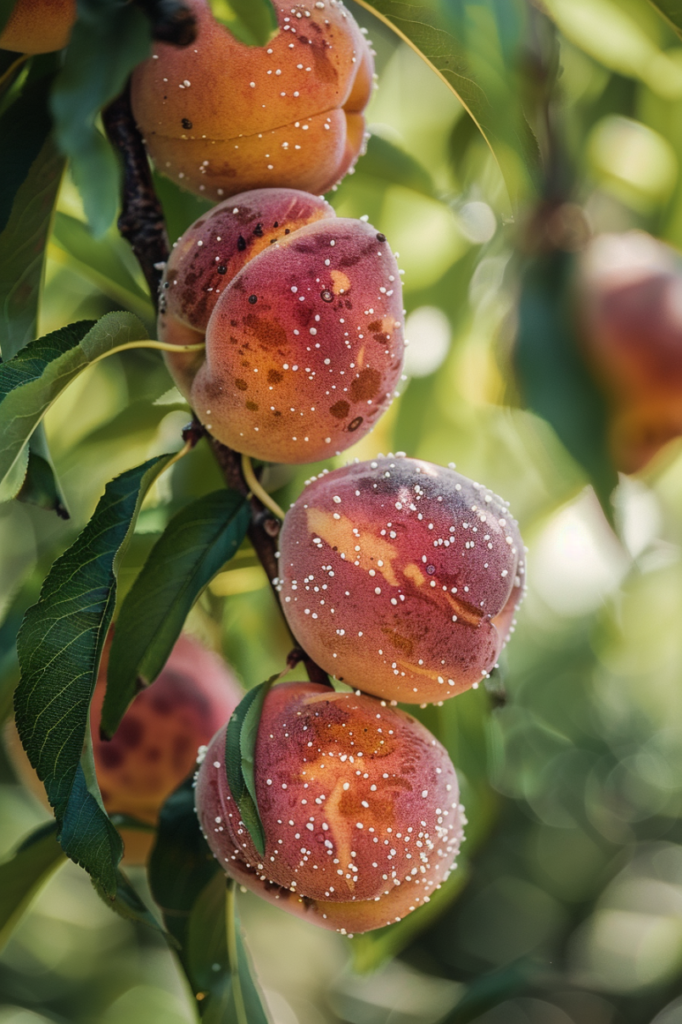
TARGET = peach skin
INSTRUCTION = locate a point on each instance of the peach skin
(38, 26)
(401, 577)
(359, 805)
(220, 117)
(302, 315)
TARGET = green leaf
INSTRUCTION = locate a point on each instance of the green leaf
(24, 127)
(25, 873)
(465, 43)
(247, 1000)
(29, 181)
(22, 249)
(128, 904)
(59, 647)
(240, 746)
(253, 22)
(107, 41)
(180, 866)
(206, 948)
(553, 379)
(104, 262)
(218, 960)
(392, 165)
(671, 11)
(40, 486)
(195, 545)
(32, 381)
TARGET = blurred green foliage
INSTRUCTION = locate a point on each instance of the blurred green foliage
(567, 907)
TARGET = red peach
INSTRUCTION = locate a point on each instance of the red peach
(38, 26)
(156, 744)
(359, 805)
(302, 312)
(401, 577)
(630, 299)
(220, 116)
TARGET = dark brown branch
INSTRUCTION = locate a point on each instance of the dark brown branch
(172, 21)
(141, 221)
(142, 224)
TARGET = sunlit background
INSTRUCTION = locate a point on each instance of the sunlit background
(567, 908)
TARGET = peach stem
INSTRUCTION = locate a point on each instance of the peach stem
(257, 490)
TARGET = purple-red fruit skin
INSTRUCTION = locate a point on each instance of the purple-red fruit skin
(302, 316)
(401, 577)
(359, 805)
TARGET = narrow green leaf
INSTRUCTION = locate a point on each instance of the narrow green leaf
(35, 378)
(247, 999)
(464, 43)
(553, 379)
(207, 958)
(192, 549)
(104, 261)
(240, 747)
(24, 873)
(253, 22)
(392, 165)
(24, 127)
(107, 41)
(59, 647)
(180, 866)
(22, 249)
(40, 486)
(671, 11)
(128, 904)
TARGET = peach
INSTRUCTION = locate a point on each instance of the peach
(359, 805)
(156, 744)
(302, 314)
(630, 300)
(38, 26)
(220, 116)
(401, 577)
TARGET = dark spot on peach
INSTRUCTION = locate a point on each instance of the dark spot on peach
(274, 376)
(269, 333)
(366, 385)
(130, 733)
(110, 756)
(241, 384)
(340, 410)
(252, 406)
(374, 326)
(186, 123)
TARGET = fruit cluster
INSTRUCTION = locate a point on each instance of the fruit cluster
(399, 577)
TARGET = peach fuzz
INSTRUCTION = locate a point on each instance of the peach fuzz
(302, 314)
(156, 744)
(38, 26)
(220, 116)
(629, 294)
(401, 577)
(359, 805)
